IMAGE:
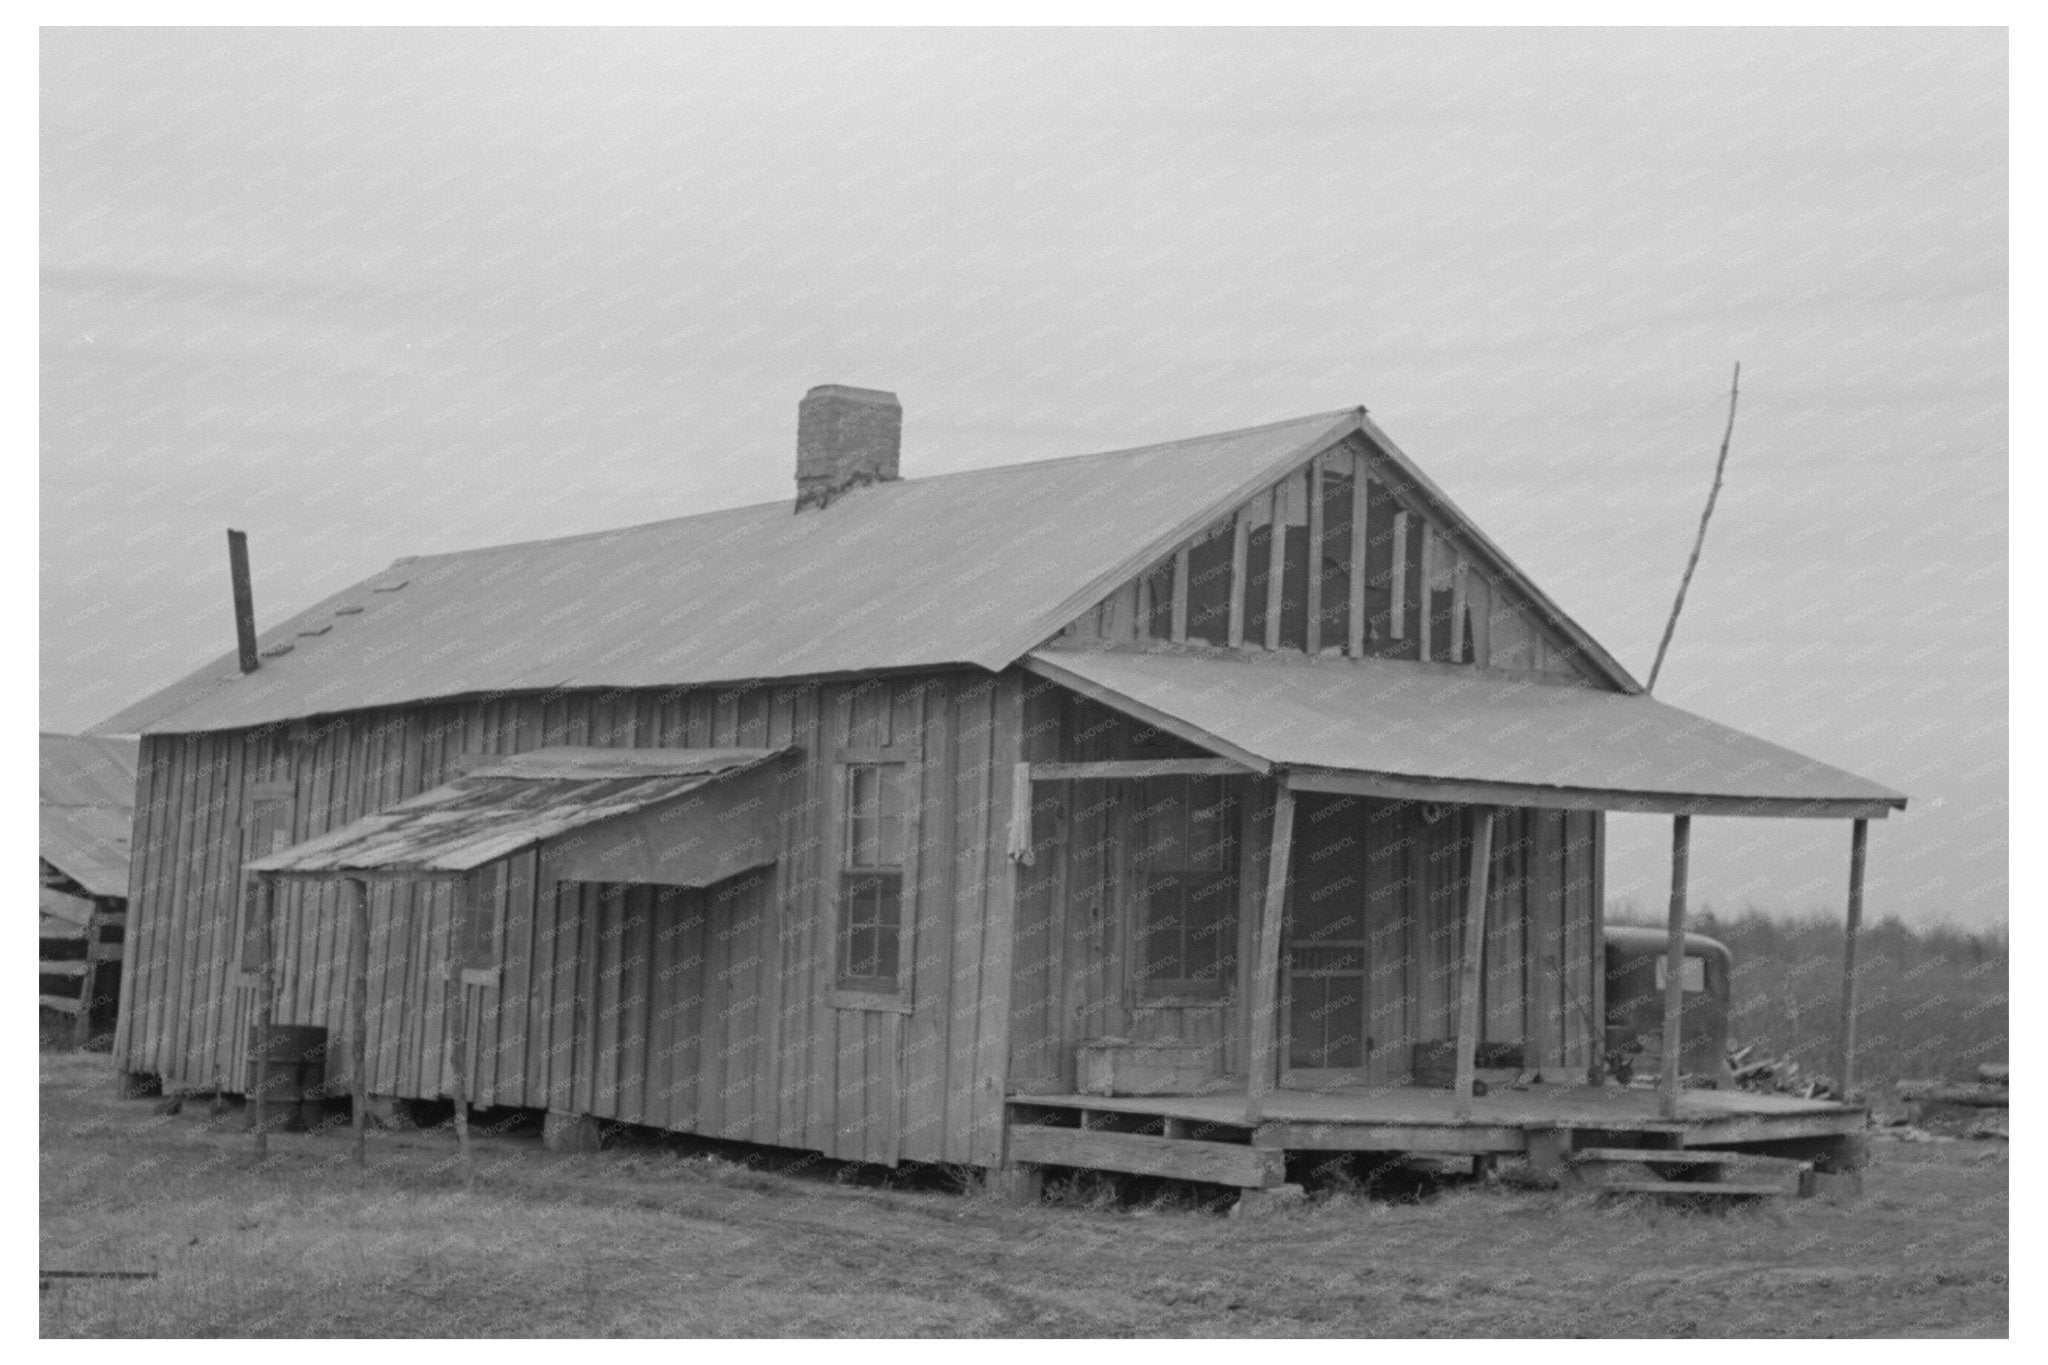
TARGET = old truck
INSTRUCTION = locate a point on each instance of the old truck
(1635, 969)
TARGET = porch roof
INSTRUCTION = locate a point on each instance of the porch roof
(504, 805)
(1450, 733)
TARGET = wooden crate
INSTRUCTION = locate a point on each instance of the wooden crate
(1498, 1064)
(1118, 1068)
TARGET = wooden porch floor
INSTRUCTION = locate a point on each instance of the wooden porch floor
(1159, 1133)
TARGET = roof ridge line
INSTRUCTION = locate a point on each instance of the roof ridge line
(638, 527)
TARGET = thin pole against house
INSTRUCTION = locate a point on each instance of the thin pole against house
(357, 893)
(1674, 967)
(1845, 1062)
(1473, 961)
(1699, 540)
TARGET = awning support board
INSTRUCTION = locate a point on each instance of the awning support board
(1674, 969)
(1262, 1018)
(1845, 1065)
(1474, 962)
(1394, 788)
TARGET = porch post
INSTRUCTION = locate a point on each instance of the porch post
(1264, 1006)
(1674, 968)
(258, 1041)
(357, 893)
(1474, 960)
(456, 996)
(1845, 1063)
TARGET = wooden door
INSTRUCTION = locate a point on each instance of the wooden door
(1327, 953)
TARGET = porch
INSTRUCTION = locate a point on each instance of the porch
(1402, 886)
(1213, 1137)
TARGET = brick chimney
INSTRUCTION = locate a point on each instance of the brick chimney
(845, 438)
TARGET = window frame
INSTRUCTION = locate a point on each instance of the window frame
(869, 993)
(1146, 992)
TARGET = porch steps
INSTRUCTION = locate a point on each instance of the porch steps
(1678, 1156)
(1691, 1189)
(1596, 1168)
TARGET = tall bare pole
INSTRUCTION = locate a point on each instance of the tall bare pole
(1721, 464)
(357, 893)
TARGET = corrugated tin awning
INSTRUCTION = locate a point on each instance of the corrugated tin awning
(685, 817)
(1383, 728)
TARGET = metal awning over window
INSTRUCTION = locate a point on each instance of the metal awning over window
(1396, 730)
(677, 817)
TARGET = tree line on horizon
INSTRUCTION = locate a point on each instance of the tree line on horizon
(1931, 1001)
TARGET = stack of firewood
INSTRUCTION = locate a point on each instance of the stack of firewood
(1986, 1093)
(1983, 1105)
(1779, 1075)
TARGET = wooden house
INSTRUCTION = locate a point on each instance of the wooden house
(86, 791)
(1170, 809)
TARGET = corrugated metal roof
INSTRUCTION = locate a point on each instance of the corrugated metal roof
(88, 844)
(87, 789)
(87, 770)
(970, 568)
(507, 805)
(1450, 726)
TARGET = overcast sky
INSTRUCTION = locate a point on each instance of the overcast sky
(375, 293)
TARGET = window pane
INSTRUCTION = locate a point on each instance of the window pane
(870, 929)
(889, 823)
(1212, 928)
(862, 807)
(875, 815)
(1162, 931)
(885, 952)
(1163, 824)
(1208, 825)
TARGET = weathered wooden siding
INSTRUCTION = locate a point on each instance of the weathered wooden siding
(704, 1010)
(1388, 877)
(1419, 594)
(1072, 975)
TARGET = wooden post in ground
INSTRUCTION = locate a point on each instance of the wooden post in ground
(1263, 1009)
(357, 893)
(1474, 960)
(1845, 1062)
(1674, 970)
(88, 979)
(265, 909)
(457, 998)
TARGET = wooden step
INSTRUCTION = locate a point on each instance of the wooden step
(61, 969)
(1690, 1189)
(61, 1003)
(1670, 1156)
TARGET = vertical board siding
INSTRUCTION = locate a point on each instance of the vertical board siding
(1400, 585)
(1071, 976)
(710, 1010)
(705, 1010)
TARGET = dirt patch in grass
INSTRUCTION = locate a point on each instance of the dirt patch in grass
(652, 1242)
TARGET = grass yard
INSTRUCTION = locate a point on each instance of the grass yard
(654, 1242)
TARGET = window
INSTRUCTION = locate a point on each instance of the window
(1693, 975)
(871, 949)
(1186, 861)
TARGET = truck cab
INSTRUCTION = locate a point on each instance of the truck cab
(1635, 970)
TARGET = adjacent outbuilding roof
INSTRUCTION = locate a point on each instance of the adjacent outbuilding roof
(1446, 733)
(86, 785)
